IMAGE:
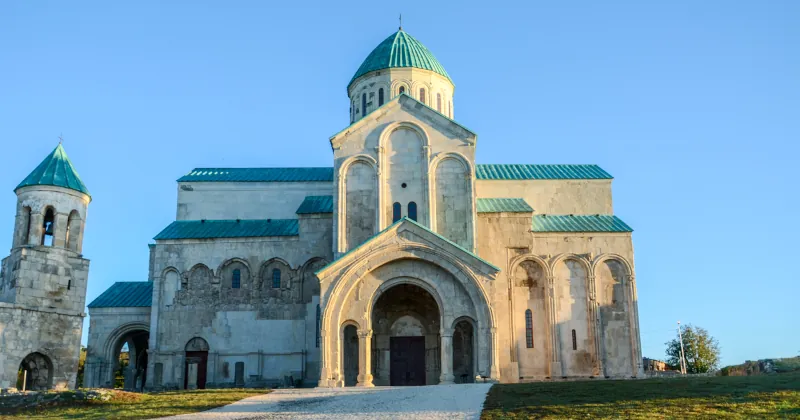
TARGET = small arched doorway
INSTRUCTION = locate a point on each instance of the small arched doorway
(463, 352)
(406, 341)
(350, 354)
(194, 375)
(35, 373)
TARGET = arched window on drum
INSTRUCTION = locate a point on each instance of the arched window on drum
(412, 211)
(396, 212)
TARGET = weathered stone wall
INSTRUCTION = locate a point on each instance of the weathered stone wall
(108, 330)
(407, 170)
(453, 210)
(614, 308)
(268, 323)
(362, 199)
(54, 334)
(46, 278)
(423, 136)
(245, 200)
(553, 196)
(586, 297)
(575, 339)
(530, 293)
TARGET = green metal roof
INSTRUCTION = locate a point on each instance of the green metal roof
(503, 205)
(56, 170)
(205, 229)
(258, 175)
(316, 204)
(482, 172)
(578, 223)
(512, 172)
(127, 294)
(400, 50)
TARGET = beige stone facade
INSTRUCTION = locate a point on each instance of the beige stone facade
(401, 280)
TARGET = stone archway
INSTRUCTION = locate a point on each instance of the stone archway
(126, 355)
(406, 323)
(35, 373)
(455, 290)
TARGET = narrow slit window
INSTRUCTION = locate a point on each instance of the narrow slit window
(402, 90)
(318, 319)
(276, 278)
(422, 95)
(528, 329)
(380, 97)
(412, 211)
(396, 210)
(69, 284)
(439, 102)
(236, 279)
(363, 104)
(26, 235)
(574, 341)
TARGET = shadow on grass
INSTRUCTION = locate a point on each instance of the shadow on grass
(699, 396)
(126, 405)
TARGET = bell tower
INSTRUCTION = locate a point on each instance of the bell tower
(43, 280)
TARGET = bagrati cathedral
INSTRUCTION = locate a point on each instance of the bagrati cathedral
(404, 263)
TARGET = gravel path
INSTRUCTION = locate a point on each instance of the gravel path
(408, 403)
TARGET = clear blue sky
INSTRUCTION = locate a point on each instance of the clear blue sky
(693, 106)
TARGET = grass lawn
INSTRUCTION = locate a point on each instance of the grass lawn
(766, 396)
(128, 405)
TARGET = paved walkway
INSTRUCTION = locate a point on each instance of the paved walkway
(406, 403)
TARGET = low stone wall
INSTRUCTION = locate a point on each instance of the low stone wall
(13, 400)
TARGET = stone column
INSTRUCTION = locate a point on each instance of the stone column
(365, 358)
(323, 360)
(60, 231)
(35, 237)
(494, 364)
(446, 348)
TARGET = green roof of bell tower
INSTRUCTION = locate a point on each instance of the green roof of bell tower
(400, 50)
(55, 170)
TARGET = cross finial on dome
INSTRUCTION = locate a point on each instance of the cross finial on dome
(401, 22)
(61, 138)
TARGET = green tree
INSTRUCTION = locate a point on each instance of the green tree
(700, 349)
(81, 363)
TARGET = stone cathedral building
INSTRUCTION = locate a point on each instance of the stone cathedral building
(404, 263)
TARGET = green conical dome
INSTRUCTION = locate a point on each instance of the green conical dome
(400, 50)
(56, 170)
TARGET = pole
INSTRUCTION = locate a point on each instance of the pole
(24, 380)
(683, 358)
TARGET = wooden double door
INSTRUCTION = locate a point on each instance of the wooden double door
(407, 361)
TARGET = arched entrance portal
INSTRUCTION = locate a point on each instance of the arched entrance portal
(405, 343)
(194, 375)
(35, 373)
(464, 352)
(129, 360)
